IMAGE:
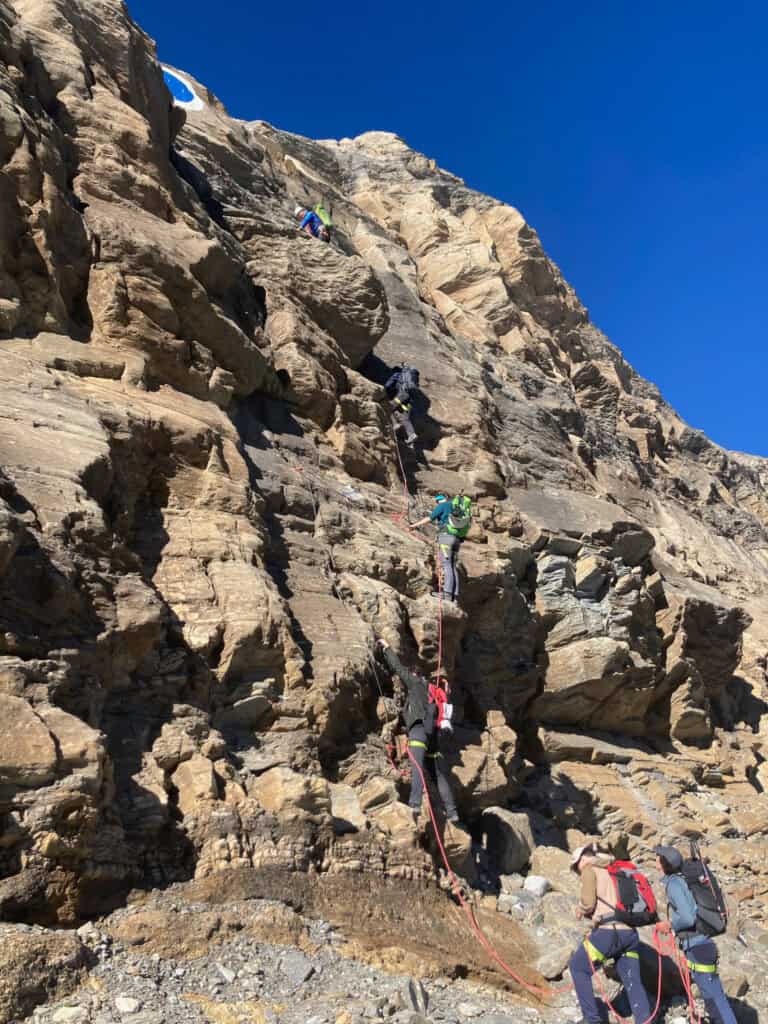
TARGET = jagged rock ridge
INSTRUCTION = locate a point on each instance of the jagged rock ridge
(197, 488)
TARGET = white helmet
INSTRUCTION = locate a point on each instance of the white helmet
(298, 211)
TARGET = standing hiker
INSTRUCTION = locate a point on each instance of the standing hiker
(611, 937)
(695, 924)
(453, 518)
(427, 716)
(402, 388)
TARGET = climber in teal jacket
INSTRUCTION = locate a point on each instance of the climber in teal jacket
(453, 518)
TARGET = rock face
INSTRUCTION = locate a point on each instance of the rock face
(201, 510)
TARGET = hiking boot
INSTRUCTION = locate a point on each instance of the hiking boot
(436, 594)
(411, 441)
(416, 815)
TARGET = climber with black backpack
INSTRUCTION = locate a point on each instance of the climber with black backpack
(402, 387)
(697, 913)
(453, 517)
(427, 716)
(618, 898)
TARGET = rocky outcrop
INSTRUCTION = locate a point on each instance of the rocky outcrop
(202, 516)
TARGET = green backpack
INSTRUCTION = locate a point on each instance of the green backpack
(324, 216)
(460, 519)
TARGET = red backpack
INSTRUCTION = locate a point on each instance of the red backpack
(635, 901)
(439, 697)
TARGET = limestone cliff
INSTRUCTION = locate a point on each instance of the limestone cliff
(199, 491)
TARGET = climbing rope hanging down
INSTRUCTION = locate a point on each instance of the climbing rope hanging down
(535, 990)
(663, 944)
(440, 581)
(483, 940)
(540, 992)
(402, 519)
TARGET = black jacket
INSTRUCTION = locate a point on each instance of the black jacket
(417, 707)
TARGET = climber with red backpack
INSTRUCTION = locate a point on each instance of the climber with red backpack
(697, 913)
(618, 898)
(427, 716)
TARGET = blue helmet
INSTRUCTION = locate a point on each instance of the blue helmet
(439, 498)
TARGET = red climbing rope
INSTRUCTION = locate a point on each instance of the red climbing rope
(685, 976)
(484, 941)
(403, 515)
(440, 620)
(657, 945)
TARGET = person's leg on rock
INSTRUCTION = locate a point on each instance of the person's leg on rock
(401, 416)
(582, 971)
(439, 773)
(407, 424)
(448, 547)
(417, 748)
(704, 956)
(627, 953)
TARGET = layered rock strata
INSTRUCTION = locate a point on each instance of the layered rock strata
(201, 511)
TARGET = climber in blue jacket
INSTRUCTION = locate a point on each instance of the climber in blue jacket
(311, 225)
(700, 951)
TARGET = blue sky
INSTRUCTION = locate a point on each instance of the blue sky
(634, 138)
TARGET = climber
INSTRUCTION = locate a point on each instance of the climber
(453, 519)
(700, 951)
(427, 717)
(311, 224)
(609, 939)
(402, 387)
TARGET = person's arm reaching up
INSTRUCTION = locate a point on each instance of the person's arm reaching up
(409, 678)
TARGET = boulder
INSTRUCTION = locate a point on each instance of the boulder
(28, 755)
(508, 837)
(591, 575)
(554, 864)
(345, 808)
(37, 966)
(195, 782)
(291, 796)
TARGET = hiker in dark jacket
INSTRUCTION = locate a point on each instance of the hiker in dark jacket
(402, 388)
(700, 951)
(421, 717)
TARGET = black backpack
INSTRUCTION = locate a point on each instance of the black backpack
(711, 911)
(409, 380)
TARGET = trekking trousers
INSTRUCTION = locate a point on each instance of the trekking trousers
(702, 963)
(401, 414)
(608, 943)
(448, 545)
(424, 750)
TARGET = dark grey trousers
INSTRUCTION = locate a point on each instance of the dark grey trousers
(427, 756)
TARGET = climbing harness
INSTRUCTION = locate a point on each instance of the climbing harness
(665, 946)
